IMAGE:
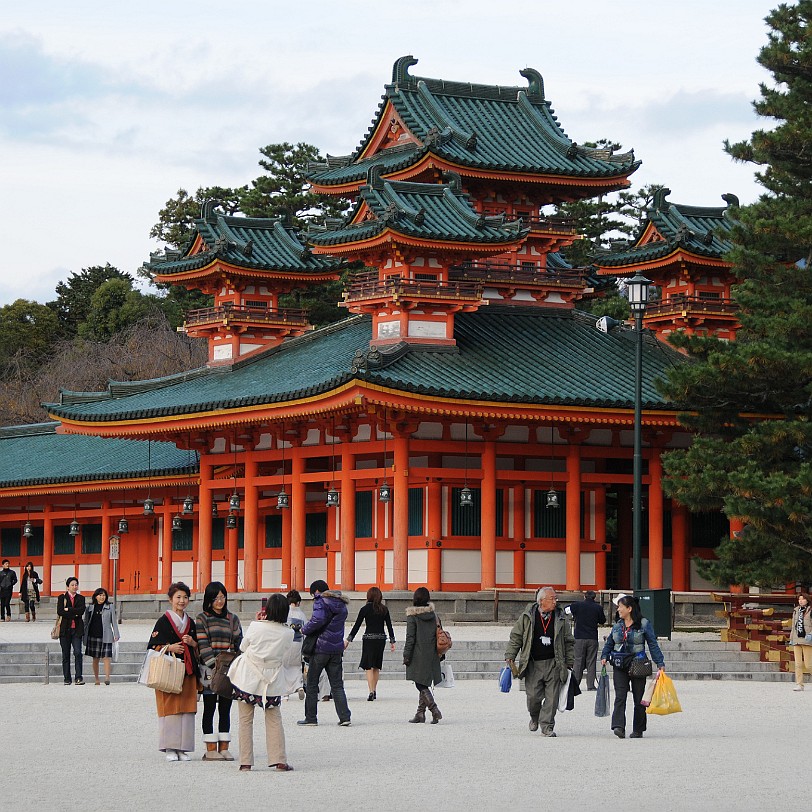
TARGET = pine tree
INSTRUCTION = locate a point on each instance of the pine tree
(751, 400)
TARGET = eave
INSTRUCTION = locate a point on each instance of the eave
(678, 255)
(218, 267)
(390, 237)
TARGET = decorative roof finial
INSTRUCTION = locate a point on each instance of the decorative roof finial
(400, 70)
(535, 82)
(659, 202)
(731, 200)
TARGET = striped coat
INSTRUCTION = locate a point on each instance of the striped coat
(216, 634)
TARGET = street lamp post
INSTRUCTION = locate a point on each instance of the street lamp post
(637, 288)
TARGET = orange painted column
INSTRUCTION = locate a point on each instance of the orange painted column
(204, 526)
(400, 529)
(519, 537)
(600, 537)
(680, 574)
(106, 532)
(655, 520)
(251, 530)
(488, 518)
(298, 510)
(347, 534)
(47, 550)
(434, 533)
(573, 541)
(166, 546)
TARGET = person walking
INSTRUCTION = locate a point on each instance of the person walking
(269, 668)
(588, 615)
(420, 654)
(374, 614)
(29, 591)
(175, 632)
(327, 620)
(218, 632)
(631, 634)
(541, 650)
(7, 580)
(100, 632)
(801, 638)
(70, 606)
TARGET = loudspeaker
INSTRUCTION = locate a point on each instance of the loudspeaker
(606, 323)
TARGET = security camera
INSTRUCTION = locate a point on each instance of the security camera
(606, 323)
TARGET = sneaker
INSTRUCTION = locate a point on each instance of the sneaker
(345, 723)
(798, 688)
(68, 682)
(551, 735)
(183, 756)
(171, 755)
(637, 734)
(79, 681)
(619, 732)
(307, 722)
(534, 725)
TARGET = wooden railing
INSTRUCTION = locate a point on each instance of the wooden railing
(693, 304)
(515, 273)
(255, 315)
(368, 286)
(537, 223)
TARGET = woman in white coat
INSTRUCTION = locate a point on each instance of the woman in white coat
(268, 668)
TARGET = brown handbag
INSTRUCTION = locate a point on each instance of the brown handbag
(220, 684)
(443, 639)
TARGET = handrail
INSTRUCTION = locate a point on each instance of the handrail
(681, 301)
(515, 273)
(229, 312)
(394, 286)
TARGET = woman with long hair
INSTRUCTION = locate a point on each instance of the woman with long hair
(29, 591)
(101, 632)
(268, 669)
(420, 653)
(175, 632)
(374, 614)
(630, 635)
(800, 638)
(218, 632)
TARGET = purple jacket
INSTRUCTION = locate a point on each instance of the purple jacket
(329, 615)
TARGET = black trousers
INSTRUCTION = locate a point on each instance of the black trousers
(210, 702)
(71, 642)
(31, 607)
(623, 683)
(5, 604)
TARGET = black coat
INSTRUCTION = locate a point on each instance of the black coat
(77, 613)
(35, 579)
(588, 615)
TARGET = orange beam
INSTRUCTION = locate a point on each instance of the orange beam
(400, 544)
(251, 530)
(298, 508)
(488, 519)
(347, 534)
(573, 508)
(434, 531)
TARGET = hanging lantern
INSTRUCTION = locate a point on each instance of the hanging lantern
(188, 505)
(74, 528)
(552, 498)
(231, 521)
(177, 523)
(234, 501)
(466, 497)
(123, 527)
(214, 510)
(28, 531)
(332, 498)
(282, 500)
(149, 507)
(384, 493)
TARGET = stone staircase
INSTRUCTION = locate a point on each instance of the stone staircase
(685, 659)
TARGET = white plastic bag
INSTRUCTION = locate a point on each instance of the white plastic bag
(564, 692)
(448, 675)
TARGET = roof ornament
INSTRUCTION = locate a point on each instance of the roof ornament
(659, 202)
(390, 213)
(371, 359)
(248, 248)
(731, 200)
(400, 70)
(453, 180)
(207, 210)
(222, 244)
(435, 136)
(535, 82)
(374, 180)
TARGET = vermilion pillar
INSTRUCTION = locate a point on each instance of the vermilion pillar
(655, 521)
(488, 519)
(573, 542)
(600, 537)
(106, 532)
(251, 529)
(166, 547)
(47, 549)
(518, 537)
(232, 558)
(204, 526)
(434, 533)
(400, 534)
(298, 510)
(680, 577)
(287, 522)
(347, 533)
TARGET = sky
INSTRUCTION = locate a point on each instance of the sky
(107, 109)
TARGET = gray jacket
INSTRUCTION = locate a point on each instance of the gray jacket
(109, 623)
(521, 640)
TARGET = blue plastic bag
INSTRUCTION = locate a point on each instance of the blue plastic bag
(505, 680)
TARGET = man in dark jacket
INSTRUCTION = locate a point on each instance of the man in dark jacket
(327, 621)
(7, 580)
(588, 615)
(70, 607)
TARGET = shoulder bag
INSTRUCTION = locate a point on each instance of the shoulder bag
(640, 666)
(220, 683)
(56, 629)
(443, 639)
(620, 659)
(164, 672)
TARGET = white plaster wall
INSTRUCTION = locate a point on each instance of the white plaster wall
(90, 577)
(545, 567)
(365, 566)
(587, 568)
(183, 571)
(315, 569)
(272, 573)
(504, 567)
(222, 352)
(388, 566)
(462, 566)
(59, 572)
(427, 329)
(218, 571)
(418, 566)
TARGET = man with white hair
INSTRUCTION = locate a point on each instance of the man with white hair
(541, 650)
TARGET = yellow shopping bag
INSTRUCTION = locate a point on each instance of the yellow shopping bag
(664, 700)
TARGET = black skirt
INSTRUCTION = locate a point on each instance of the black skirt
(372, 653)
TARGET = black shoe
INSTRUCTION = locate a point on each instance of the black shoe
(371, 697)
(345, 723)
(638, 734)
(79, 681)
(619, 732)
(534, 725)
(307, 722)
(68, 682)
(550, 735)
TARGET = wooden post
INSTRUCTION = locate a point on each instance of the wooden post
(106, 532)
(655, 521)
(600, 538)
(204, 525)
(434, 533)
(347, 531)
(573, 541)
(47, 549)
(488, 518)
(251, 527)
(400, 540)
(680, 576)
(298, 510)
(519, 536)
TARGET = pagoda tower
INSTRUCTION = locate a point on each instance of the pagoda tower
(246, 264)
(682, 250)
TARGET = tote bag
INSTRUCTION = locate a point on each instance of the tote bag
(162, 672)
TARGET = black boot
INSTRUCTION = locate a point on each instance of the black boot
(420, 715)
(431, 705)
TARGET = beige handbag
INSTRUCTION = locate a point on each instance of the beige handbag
(165, 673)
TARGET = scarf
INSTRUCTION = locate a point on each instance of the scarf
(180, 625)
(799, 624)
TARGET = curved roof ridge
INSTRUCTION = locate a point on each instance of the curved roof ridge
(28, 429)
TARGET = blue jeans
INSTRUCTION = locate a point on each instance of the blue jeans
(333, 664)
(69, 641)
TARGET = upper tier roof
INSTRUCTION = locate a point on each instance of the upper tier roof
(423, 211)
(36, 455)
(697, 230)
(512, 354)
(482, 127)
(253, 243)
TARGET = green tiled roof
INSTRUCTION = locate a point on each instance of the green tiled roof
(36, 455)
(698, 230)
(254, 243)
(486, 127)
(510, 354)
(428, 211)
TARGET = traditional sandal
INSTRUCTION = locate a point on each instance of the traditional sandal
(282, 768)
(245, 767)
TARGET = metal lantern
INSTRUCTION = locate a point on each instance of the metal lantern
(214, 510)
(149, 507)
(177, 523)
(385, 493)
(332, 498)
(188, 505)
(123, 527)
(282, 500)
(231, 521)
(466, 497)
(234, 501)
(28, 531)
(74, 528)
(637, 290)
(552, 498)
